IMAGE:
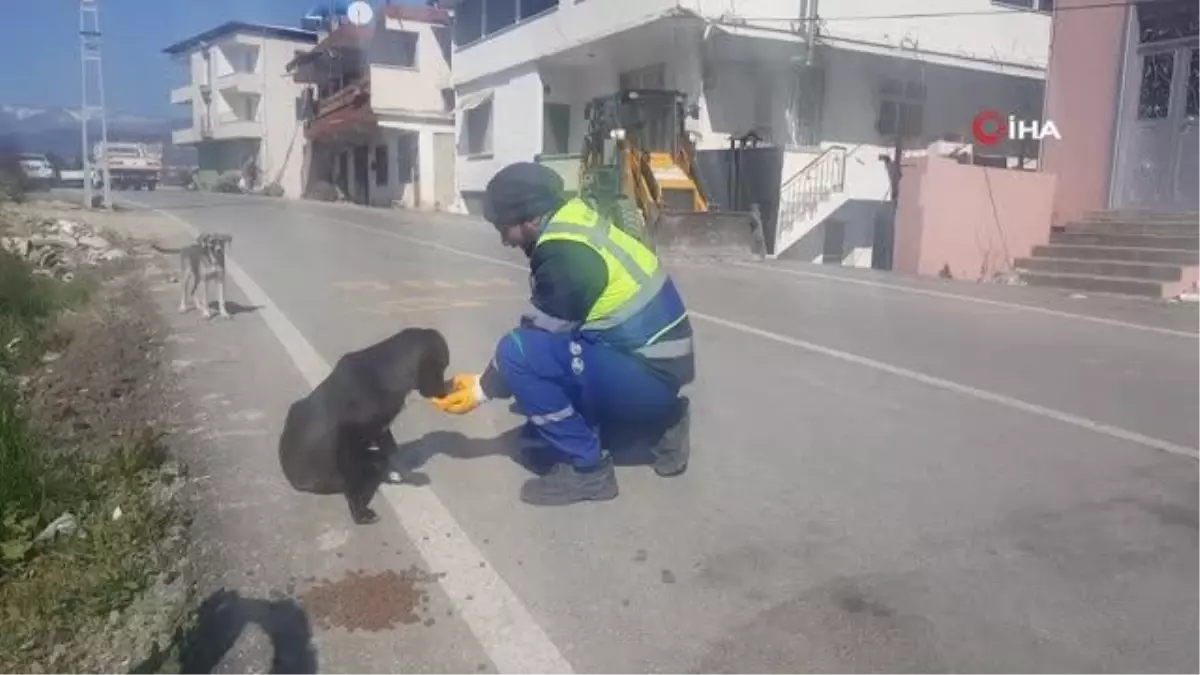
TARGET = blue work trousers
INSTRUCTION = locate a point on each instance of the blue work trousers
(570, 388)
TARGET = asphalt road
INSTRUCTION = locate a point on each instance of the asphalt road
(888, 474)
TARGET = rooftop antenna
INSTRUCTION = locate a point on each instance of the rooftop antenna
(89, 53)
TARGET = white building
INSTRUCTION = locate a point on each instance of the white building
(380, 120)
(241, 103)
(823, 80)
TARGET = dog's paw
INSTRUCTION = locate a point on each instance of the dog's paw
(183, 309)
(395, 477)
(366, 516)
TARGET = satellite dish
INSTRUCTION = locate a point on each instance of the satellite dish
(359, 13)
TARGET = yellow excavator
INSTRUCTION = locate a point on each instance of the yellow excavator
(638, 168)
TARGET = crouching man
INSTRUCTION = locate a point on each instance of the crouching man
(607, 346)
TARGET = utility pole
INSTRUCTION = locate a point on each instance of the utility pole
(89, 53)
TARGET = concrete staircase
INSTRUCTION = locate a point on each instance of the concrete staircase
(1126, 252)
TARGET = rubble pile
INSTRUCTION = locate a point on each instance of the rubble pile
(57, 246)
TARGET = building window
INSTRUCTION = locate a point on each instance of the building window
(396, 48)
(556, 129)
(901, 108)
(477, 129)
(468, 21)
(444, 38)
(806, 101)
(1192, 107)
(475, 19)
(1154, 95)
(381, 165)
(1035, 5)
(241, 58)
(406, 149)
(498, 14)
(650, 77)
(532, 8)
(1160, 21)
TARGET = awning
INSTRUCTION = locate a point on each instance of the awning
(474, 100)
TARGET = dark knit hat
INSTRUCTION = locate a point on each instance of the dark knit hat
(521, 192)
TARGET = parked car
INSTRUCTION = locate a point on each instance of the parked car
(74, 178)
(38, 170)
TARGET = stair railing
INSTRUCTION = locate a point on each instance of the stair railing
(803, 193)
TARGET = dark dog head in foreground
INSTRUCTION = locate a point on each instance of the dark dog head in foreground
(325, 447)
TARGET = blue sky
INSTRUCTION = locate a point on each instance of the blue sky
(41, 49)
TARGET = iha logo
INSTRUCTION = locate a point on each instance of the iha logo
(989, 127)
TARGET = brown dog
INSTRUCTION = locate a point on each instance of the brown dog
(325, 447)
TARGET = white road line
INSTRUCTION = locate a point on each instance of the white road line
(983, 394)
(506, 630)
(418, 241)
(967, 390)
(966, 298)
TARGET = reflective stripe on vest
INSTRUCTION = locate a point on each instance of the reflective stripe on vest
(577, 221)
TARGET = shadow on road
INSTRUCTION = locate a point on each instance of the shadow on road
(222, 618)
(235, 308)
(626, 450)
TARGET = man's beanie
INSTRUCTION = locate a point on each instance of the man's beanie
(521, 192)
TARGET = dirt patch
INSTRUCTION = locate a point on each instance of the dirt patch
(110, 380)
(369, 601)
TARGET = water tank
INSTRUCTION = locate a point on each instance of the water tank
(324, 12)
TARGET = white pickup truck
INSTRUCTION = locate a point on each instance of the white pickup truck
(133, 166)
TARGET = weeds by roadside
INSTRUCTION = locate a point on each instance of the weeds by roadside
(91, 538)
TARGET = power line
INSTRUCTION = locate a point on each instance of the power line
(936, 15)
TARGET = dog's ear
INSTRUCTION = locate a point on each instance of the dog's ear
(431, 368)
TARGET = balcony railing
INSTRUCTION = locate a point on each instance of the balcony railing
(353, 94)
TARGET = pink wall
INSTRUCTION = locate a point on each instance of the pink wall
(1086, 57)
(973, 219)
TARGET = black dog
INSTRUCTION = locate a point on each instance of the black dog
(326, 440)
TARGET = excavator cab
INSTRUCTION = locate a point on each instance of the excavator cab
(637, 169)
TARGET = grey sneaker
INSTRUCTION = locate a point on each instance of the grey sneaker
(673, 451)
(566, 484)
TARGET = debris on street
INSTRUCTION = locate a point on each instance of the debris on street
(57, 247)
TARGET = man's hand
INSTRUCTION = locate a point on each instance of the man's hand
(465, 395)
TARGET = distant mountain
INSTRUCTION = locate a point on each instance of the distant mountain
(51, 129)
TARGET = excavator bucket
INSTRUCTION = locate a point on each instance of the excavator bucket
(692, 234)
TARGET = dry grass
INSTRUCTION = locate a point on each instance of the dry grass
(79, 400)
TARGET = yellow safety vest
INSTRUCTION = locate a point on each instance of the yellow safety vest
(634, 274)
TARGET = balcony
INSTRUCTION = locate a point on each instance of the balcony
(356, 94)
(241, 82)
(193, 131)
(343, 116)
(236, 128)
(221, 129)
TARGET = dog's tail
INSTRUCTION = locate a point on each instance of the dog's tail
(160, 249)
